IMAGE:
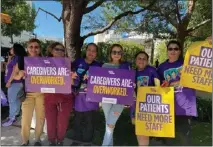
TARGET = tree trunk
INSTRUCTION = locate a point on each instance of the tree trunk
(181, 35)
(11, 39)
(152, 51)
(72, 16)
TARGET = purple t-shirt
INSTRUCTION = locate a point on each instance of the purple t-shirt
(9, 70)
(144, 78)
(185, 98)
(81, 105)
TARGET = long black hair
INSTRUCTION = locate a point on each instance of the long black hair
(19, 50)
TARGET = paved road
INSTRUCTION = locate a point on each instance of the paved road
(11, 136)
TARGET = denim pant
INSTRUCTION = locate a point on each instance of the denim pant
(111, 112)
(14, 103)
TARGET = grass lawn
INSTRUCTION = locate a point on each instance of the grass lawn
(124, 132)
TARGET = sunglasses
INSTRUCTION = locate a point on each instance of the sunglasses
(59, 49)
(173, 49)
(117, 52)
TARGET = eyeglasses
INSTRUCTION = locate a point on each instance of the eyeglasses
(173, 49)
(117, 52)
(59, 49)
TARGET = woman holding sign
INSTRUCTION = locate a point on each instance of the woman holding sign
(85, 112)
(57, 106)
(113, 111)
(185, 98)
(146, 75)
(32, 101)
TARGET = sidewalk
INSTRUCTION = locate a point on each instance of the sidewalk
(10, 136)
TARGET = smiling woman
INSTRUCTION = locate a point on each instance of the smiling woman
(57, 106)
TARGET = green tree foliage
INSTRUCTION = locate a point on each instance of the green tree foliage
(202, 12)
(22, 17)
(161, 52)
(168, 19)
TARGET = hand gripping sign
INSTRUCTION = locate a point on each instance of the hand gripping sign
(108, 85)
(197, 68)
(47, 75)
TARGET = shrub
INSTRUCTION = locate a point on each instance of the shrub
(204, 108)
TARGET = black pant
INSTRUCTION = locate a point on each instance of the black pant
(84, 126)
(182, 132)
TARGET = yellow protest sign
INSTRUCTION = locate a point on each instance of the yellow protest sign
(155, 112)
(197, 68)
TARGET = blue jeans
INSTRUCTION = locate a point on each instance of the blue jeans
(14, 103)
(111, 112)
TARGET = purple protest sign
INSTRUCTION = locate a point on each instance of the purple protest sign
(47, 75)
(109, 85)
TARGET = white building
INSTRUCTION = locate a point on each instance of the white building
(25, 36)
(45, 38)
(144, 39)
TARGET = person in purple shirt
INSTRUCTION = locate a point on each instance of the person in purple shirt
(85, 112)
(14, 86)
(146, 75)
(185, 98)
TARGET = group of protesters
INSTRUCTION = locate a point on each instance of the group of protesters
(55, 108)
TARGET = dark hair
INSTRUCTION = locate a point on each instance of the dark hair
(19, 50)
(142, 52)
(93, 45)
(110, 50)
(174, 42)
(34, 40)
(51, 47)
(178, 44)
(84, 56)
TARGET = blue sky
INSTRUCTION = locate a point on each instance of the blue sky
(47, 26)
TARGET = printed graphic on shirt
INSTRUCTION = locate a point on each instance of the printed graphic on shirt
(172, 76)
(80, 71)
(142, 81)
